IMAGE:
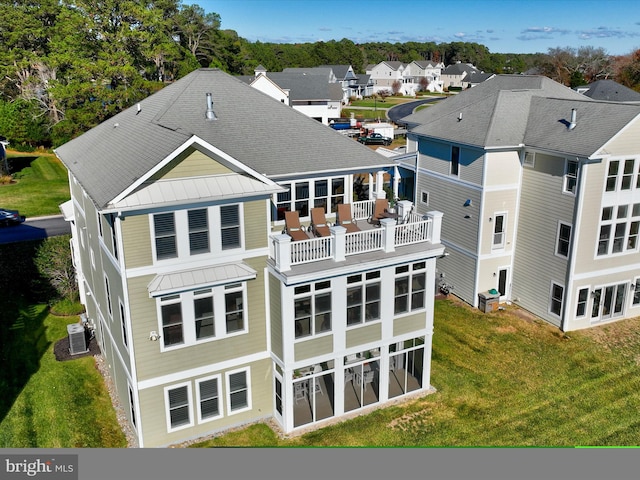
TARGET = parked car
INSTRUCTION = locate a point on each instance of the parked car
(10, 217)
(375, 139)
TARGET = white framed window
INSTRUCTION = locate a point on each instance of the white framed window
(198, 231)
(208, 396)
(312, 309)
(132, 407)
(620, 175)
(107, 289)
(111, 220)
(636, 292)
(499, 230)
(424, 197)
(628, 170)
(410, 288)
(363, 298)
(570, 176)
(563, 239)
(123, 323)
(583, 298)
(178, 406)
(529, 160)
(202, 315)
(165, 235)
(301, 196)
(230, 225)
(619, 227)
(238, 391)
(556, 298)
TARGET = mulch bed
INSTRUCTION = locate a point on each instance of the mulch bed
(61, 350)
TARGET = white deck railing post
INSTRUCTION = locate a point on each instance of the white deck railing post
(389, 234)
(436, 225)
(339, 243)
(282, 248)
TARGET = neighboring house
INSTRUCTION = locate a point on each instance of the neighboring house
(385, 74)
(310, 93)
(347, 78)
(458, 75)
(420, 70)
(610, 91)
(478, 77)
(208, 315)
(540, 190)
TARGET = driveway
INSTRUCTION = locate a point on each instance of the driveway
(35, 228)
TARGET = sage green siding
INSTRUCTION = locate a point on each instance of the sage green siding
(362, 335)
(192, 164)
(151, 362)
(409, 323)
(255, 224)
(136, 237)
(313, 347)
(153, 406)
(275, 306)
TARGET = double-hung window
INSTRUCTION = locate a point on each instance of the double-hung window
(620, 175)
(312, 309)
(238, 391)
(172, 333)
(570, 176)
(234, 307)
(208, 391)
(619, 227)
(557, 293)
(583, 297)
(230, 226)
(165, 235)
(410, 287)
(198, 231)
(203, 314)
(178, 403)
(499, 230)
(363, 298)
(564, 237)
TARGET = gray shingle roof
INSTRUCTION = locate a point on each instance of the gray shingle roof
(262, 133)
(510, 110)
(612, 91)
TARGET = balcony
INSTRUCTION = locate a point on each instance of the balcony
(409, 229)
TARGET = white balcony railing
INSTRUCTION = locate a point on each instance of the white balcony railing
(339, 244)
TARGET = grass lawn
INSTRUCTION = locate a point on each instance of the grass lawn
(501, 380)
(54, 404)
(41, 185)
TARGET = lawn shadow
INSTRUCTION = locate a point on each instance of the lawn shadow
(19, 163)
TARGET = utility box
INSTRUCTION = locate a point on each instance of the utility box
(77, 339)
(488, 301)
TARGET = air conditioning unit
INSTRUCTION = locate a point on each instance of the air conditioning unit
(77, 339)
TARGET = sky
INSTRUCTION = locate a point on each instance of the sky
(503, 26)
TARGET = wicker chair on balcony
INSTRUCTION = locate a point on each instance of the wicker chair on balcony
(345, 218)
(293, 227)
(319, 225)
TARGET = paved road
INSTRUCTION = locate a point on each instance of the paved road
(35, 228)
(397, 112)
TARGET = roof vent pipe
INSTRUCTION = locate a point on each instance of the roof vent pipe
(572, 123)
(210, 113)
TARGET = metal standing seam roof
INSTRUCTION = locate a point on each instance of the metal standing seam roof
(270, 138)
(202, 277)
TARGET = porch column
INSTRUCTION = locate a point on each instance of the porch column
(282, 250)
(379, 191)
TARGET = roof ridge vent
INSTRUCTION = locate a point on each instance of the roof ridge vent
(210, 115)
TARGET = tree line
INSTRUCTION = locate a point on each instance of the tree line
(68, 65)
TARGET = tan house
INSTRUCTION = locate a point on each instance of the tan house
(211, 308)
(540, 189)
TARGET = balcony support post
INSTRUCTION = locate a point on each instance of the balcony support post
(282, 248)
(388, 235)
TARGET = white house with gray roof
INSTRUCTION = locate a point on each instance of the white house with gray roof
(540, 189)
(211, 309)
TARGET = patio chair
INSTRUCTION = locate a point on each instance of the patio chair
(345, 219)
(300, 390)
(379, 211)
(293, 227)
(348, 376)
(317, 388)
(319, 225)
